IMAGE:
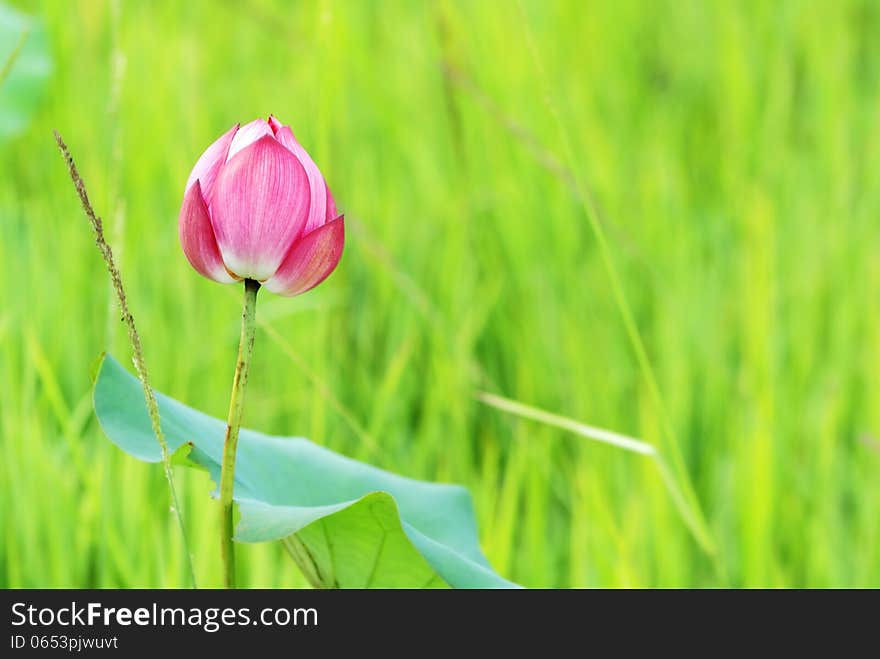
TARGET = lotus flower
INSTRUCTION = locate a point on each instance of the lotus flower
(257, 207)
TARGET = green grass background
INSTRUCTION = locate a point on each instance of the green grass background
(732, 151)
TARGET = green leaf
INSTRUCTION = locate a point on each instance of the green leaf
(347, 524)
(25, 65)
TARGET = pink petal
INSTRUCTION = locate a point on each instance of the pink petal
(310, 261)
(247, 135)
(318, 203)
(197, 237)
(260, 206)
(209, 163)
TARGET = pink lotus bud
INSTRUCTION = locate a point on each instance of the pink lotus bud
(257, 207)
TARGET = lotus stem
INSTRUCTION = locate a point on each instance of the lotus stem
(230, 443)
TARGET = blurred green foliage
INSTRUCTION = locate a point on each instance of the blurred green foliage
(25, 64)
(732, 151)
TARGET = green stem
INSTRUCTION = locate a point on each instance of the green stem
(303, 559)
(236, 406)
